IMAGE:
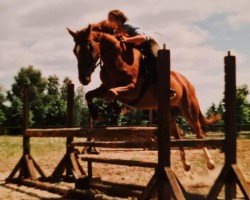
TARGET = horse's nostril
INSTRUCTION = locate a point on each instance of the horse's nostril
(85, 80)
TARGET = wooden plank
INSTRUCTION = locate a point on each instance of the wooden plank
(176, 190)
(60, 168)
(30, 167)
(120, 162)
(147, 193)
(216, 188)
(124, 185)
(80, 168)
(75, 165)
(244, 186)
(57, 189)
(114, 190)
(43, 175)
(117, 144)
(198, 143)
(15, 170)
(90, 171)
(91, 132)
(181, 186)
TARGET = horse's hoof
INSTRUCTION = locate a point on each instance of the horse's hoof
(187, 167)
(200, 136)
(211, 165)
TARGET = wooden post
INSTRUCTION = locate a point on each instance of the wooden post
(24, 170)
(150, 117)
(69, 123)
(70, 161)
(26, 166)
(230, 173)
(26, 140)
(89, 149)
(164, 180)
(163, 89)
(230, 121)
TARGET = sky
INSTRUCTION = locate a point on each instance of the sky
(198, 33)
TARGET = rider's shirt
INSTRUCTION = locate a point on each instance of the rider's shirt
(132, 30)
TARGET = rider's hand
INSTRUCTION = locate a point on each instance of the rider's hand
(123, 39)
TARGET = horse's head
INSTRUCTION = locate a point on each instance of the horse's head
(87, 52)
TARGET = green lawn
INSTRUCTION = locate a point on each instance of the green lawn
(11, 146)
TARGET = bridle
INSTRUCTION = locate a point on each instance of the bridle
(100, 59)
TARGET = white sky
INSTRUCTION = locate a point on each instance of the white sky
(198, 33)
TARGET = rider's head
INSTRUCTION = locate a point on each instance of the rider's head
(117, 16)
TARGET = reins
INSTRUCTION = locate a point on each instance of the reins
(100, 63)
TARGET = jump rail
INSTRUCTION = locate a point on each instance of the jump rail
(91, 132)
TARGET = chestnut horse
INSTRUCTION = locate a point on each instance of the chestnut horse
(122, 81)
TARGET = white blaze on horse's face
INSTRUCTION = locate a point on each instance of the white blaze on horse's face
(86, 62)
(85, 53)
(78, 48)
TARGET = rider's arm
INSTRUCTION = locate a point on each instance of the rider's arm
(138, 39)
(136, 36)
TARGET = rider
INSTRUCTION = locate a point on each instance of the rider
(146, 44)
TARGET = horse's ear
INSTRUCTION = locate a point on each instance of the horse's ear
(72, 33)
(89, 29)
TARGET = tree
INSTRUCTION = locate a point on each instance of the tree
(53, 85)
(212, 110)
(63, 89)
(14, 112)
(81, 113)
(108, 116)
(2, 107)
(55, 105)
(134, 117)
(37, 86)
(55, 112)
(242, 107)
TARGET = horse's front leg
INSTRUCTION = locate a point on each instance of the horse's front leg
(100, 92)
(113, 92)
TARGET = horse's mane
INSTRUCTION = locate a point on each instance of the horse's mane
(105, 27)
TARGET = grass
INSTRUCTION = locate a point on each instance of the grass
(41, 146)
(11, 146)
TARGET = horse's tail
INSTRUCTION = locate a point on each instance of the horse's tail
(210, 120)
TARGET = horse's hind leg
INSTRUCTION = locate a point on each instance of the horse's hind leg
(196, 126)
(208, 158)
(177, 135)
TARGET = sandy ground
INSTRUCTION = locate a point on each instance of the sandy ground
(198, 179)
